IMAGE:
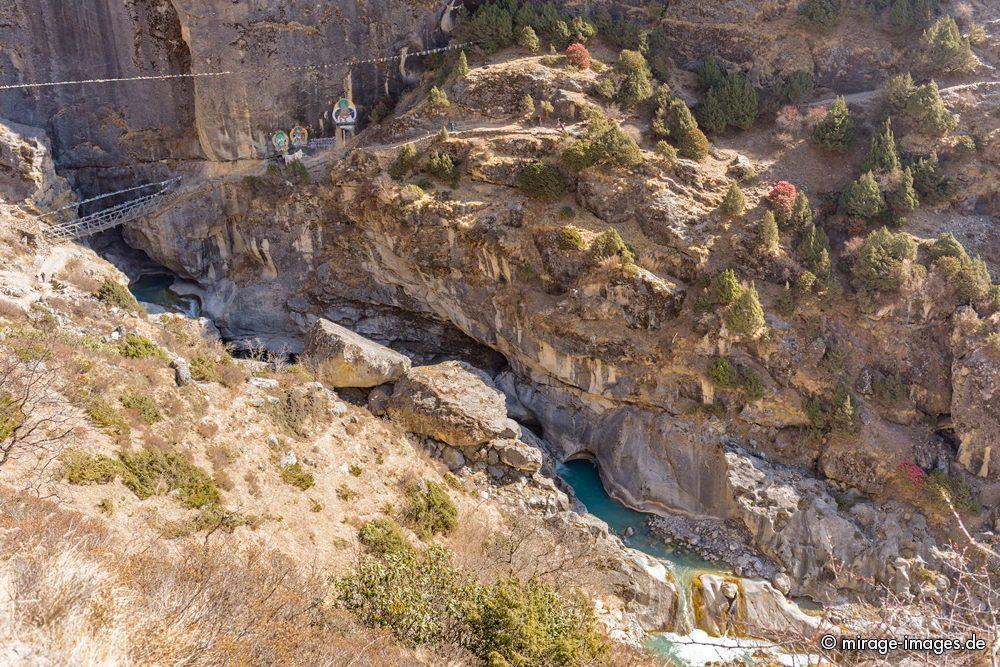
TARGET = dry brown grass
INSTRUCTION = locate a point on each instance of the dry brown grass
(75, 273)
(74, 597)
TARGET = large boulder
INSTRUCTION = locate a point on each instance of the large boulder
(451, 402)
(345, 359)
(748, 607)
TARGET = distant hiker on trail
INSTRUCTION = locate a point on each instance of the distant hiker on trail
(562, 125)
(451, 126)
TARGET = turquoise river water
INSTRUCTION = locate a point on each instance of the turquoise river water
(155, 288)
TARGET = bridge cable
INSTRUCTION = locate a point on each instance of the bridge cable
(259, 70)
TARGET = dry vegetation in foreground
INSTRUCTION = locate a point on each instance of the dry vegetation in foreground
(72, 596)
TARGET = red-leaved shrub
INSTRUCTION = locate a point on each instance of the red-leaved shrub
(578, 55)
(782, 198)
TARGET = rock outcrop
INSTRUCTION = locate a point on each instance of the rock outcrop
(975, 399)
(727, 606)
(452, 402)
(345, 359)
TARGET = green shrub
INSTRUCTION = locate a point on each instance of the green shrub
(146, 473)
(603, 144)
(768, 240)
(733, 102)
(814, 249)
(926, 111)
(667, 152)
(567, 212)
(423, 598)
(146, 406)
(795, 88)
(863, 198)
(946, 245)
(527, 39)
(693, 145)
(441, 167)
(821, 13)
(355, 470)
(528, 623)
(461, 69)
(723, 373)
(489, 29)
(836, 131)
(383, 536)
(733, 203)
(837, 414)
(882, 154)
(745, 317)
(137, 347)
(943, 49)
(801, 216)
(969, 278)
(431, 511)
(105, 416)
(406, 161)
(885, 261)
(203, 369)
(526, 106)
(116, 295)
(955, 488)
(570, 239)
(930, 181)
(727, 287)
(297, 173)
(297, 410)
(295, 475)
(541, 181)
(710, 73)
(634, 83)
(437, 98)
(909, 14)
(608, 244)
(904, 198)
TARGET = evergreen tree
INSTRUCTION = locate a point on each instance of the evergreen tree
(526, 106)
(710, 73)
(634, 84)
(882, 155)
(767, 235)
(745, 316)
(908, 14)
(904, 198)
(528, 39)
(884, 261)
(461, 65)
(836, 131)
(946, 245)
(821, 13)
(926, 110)
(930, 182)
(863, 198)
(727, 287)
(944, 49)
(734, 202)
(898, 91)
(691, 141)
(801, 215)
(731, 102)
(491, 28)
(812, 246)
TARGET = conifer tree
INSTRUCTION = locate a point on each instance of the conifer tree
(727, 287)
(882, 154)
(904, 198)
(926, 109)
(863, 198)
(898, 91)
(733, 101)
(691, 141)
(801, 215)
(745, 316)
(461, 65)
(734, 202)
(634, 84)
(767, 235)
(944, 48)
(836, 131)
(528, 39)
(812, 246)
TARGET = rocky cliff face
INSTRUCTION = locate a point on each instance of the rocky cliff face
(289, 49)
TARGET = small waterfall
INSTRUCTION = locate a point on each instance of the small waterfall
(585, 480)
